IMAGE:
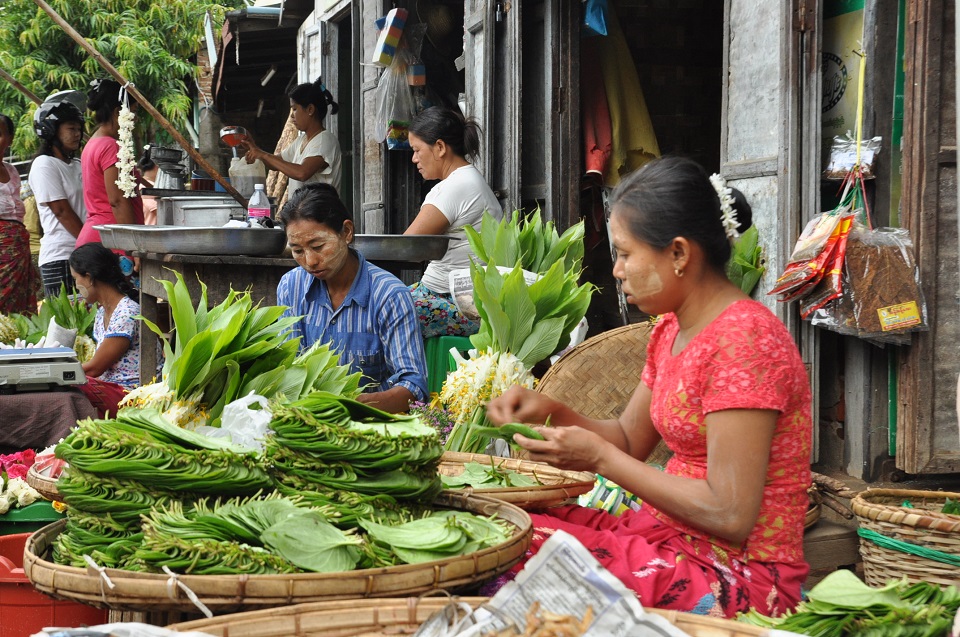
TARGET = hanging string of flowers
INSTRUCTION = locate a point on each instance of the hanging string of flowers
(126, 159)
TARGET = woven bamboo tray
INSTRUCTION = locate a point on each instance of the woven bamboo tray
(384, 617)
(558, 485)
(881, 510)
(38, 477)
(228, 593)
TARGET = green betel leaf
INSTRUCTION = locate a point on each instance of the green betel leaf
(844, 589)
(193, 362)
(313, 544)
(484, 295)
(515, 299)
(546, 292)
(542, 342)
(475, 239)
(181, 307)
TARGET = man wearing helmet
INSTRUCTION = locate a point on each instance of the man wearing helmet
(55, 178)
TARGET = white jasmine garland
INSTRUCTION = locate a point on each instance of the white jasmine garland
(727, 213)
(126, 159)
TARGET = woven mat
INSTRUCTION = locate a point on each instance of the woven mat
(598, 376)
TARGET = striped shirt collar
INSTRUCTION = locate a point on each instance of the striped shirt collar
(359, 291)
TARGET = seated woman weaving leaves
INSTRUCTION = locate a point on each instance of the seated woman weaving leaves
(721, 529)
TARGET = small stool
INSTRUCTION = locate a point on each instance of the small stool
(439, 360)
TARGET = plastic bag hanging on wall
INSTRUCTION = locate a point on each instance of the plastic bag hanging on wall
(594, 17)
(395, 104)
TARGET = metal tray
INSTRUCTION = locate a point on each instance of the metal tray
(194, 240)
(396, 247)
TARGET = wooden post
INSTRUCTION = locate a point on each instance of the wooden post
(132, 90)
(20, 87)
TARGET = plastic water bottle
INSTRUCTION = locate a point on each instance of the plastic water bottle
(258, 207)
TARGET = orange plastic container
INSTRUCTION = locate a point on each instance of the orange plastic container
(24, 610)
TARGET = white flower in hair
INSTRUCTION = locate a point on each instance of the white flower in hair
(728, 215)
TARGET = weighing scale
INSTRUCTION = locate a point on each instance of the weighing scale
(39, 368)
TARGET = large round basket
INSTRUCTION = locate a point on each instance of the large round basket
(385, 617)
(597, 377)
(557, 487)
(41, 477)
(228, 593)
(915, 528)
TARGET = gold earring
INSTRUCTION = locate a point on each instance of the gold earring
(678, 272)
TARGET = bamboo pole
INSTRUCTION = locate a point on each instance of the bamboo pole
(132, 90)
(20, 87)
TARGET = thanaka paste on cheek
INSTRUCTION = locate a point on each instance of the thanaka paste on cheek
(643, 281)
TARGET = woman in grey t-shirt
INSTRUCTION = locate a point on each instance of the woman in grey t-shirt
(443, 141)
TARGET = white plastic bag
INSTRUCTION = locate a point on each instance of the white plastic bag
(242, 424)
(395, 104)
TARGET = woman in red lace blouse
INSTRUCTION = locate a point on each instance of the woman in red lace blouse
(721, 529)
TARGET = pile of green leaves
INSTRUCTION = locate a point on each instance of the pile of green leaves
(253, 535)
(527, 242)
(437, 536)
(329, 442)
(69, 313)
(488, 476)
(141, 446)
(531, 322)
(232, 349)
(745, 266)
(841, 605)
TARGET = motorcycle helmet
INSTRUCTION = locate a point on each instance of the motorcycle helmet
(49, 116)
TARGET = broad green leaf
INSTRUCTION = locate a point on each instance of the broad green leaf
(542, 342)
(516, 303)
(313, 544)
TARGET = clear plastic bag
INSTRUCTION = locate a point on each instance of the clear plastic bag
(242, 423)
(395, 104)
(882, 299)
(843, 157)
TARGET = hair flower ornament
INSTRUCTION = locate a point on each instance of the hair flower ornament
(728, 215)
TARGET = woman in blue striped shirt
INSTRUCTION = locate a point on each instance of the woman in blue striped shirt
(363, 311)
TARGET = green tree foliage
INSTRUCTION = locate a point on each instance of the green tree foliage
(151, 42)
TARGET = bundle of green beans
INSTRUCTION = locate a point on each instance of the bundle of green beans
(325, 442)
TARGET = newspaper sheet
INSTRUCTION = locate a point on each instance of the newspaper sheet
(566, 579)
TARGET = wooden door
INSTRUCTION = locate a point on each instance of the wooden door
(927, 440)
(372, 219)
(770, 135)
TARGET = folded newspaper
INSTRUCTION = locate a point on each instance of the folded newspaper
(565, 579)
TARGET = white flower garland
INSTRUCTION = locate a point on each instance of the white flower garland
(728, 215)
(126, 159)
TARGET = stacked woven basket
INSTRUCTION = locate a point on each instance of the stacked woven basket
(903, 533)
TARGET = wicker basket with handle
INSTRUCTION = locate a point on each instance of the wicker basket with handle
(392, 616)
(153, 592)
(919, 525)
(557, 486)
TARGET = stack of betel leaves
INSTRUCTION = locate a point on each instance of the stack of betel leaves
(351, 459)
(526, 314)
(488, 476)
(146, 494)
(841, 605)
(123, 468)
